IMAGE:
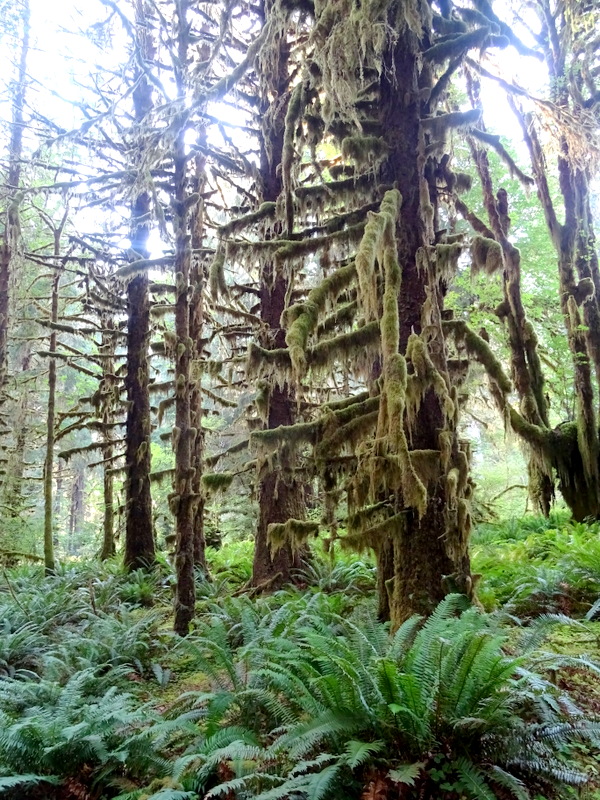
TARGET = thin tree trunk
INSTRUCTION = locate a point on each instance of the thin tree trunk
(12, 230)
(198, 281)
(50, 422)
(108, 397)
(183, 441)
(139, 533)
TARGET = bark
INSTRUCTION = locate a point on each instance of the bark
(108, 393)
(183, 491)
(280, 494)
(434, 546)
(13, 486)
(50, 423)
(198, 282)
(139, 533)
(11, 234)
(77, 510)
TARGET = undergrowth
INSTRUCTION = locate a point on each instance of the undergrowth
(304, 694)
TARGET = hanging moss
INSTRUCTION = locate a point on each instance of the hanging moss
(351, 347)
(373, 536)
(455, 45)
(292, 117)
(264, 211)
(486, 256)
(335, 405)
(371, 246)
(301, 432)
(365, 151)
(211, 461)
(216, 276)
(446, 259)
(292, 249)
(293, 533)
(217, 481)
(344, 315)
(455, 120)
(303, 317)
(481, 351)
(348, 435)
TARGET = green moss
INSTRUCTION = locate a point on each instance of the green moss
(364, 150)
(486, 256)
(303, 317)
(217, 481)
(216, 276)
(439, 125)
(479, 349)
(264, 211)
(456, 44)
(294, 533)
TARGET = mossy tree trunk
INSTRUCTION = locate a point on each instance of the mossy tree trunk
(139, 532)
(11, 232)
(183, 498)
(280, 493)
(109, 395)
(198, 283)
(431, 545)
(49, 563)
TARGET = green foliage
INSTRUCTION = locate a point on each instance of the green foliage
(539, 565)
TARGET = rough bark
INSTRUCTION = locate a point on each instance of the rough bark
(183, 492)
(50, 426)
(280, 494)
(139, 533)
(11, 233)
(432, 546)
(108, 394)
(198, 282)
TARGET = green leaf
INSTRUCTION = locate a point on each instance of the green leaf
(473, 780)
(406, 773)
(17, 780)
(357, 753)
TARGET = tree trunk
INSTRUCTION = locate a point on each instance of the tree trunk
(50, 422)
(12, 229)
(139, 532)
(183, 493)
(434, 546)
(198, 282)
(77, 510)
(280, 495)
(108, 395)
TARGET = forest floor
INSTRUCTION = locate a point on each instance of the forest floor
(304, 694)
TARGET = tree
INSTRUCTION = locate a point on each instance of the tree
(139, 531)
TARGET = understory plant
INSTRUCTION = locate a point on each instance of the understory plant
(321, 708)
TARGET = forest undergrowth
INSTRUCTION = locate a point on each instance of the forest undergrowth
(304, 693)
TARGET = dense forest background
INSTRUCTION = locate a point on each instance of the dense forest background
(299, 346)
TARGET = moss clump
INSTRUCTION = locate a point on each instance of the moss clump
(294, 533)
(264, 211)
(217, 481)
(456, 44)
(364, 150)
(438, 126)
(486, 256)
(304, 316)
(216, 275)
(479, 349)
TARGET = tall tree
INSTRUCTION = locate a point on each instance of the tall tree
(139, 531)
